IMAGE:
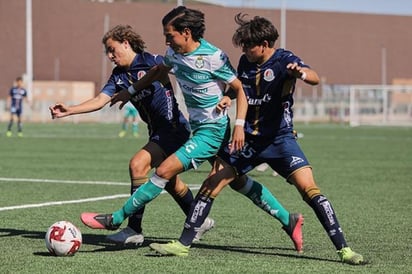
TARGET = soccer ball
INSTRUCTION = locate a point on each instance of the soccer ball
(63, 239)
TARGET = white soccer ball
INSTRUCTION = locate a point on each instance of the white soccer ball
(63, 239)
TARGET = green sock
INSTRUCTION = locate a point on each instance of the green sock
(141, 197)
(135, 128)
(264, 199)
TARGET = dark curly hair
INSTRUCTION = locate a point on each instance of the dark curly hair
(254, 32)
(123, 33)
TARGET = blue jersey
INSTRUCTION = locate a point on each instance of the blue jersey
(269, 90)
(157, 104)
(17, 94)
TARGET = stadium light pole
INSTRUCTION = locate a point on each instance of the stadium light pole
(383, 66)
(29, 49)
(106, 24)
(283, 24)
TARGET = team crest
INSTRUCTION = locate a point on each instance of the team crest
(140, 74)
(268, 75)
(199, 63)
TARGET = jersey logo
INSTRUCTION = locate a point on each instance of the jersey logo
(199, 63)
(295, 161)
(119, 82)
(268, 75)
(244, 75)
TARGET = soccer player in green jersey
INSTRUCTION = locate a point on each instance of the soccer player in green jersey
(202, 71)
(269, 76)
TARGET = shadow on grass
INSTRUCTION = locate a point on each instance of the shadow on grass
(103, 245)
(264, 251)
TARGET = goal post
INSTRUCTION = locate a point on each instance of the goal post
(386, 105)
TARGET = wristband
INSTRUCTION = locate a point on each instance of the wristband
(303, 76)
(131, 90)
(239, 122)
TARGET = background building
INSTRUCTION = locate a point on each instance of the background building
(345, 48)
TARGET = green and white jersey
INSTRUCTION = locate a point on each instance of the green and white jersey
(202, 76)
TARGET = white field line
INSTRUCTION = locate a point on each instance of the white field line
(62, 181)
(64, 202)
(192, 187)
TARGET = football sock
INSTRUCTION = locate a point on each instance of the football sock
(124, 126)
(135, 127)
(141, 197)
(19, 126)
(265, 200)
(183, 198)
(135, 220)
(195, 218)
(9, 125)
(328, 219)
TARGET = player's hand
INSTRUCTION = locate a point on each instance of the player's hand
(224, 104)
(58, 111)
(238, 139)
(123, 96)
(295, 70)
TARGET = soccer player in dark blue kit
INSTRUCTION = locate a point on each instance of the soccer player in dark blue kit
(15, 105)
(183, 29)
(168, 128)
(269, 76)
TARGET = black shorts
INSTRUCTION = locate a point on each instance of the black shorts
(165, 142)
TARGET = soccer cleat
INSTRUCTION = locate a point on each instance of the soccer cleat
(349, 257)
(122, 133)
(126, 236)
(98, 221)
(9, 133)
(207, 225)
(294, 230)
(174, 248)
(20, 134)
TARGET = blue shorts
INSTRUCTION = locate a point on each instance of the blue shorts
(282, 154)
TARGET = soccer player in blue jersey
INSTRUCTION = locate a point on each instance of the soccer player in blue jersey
(15, 105)
(201, 70)
(168, 128)
(269, 76)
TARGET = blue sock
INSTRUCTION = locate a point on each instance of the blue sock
(195, 218)
(328, 219)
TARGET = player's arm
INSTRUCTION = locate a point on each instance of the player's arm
(226, 100)
(238, 136)
(60, 110)
(8, 102)
(157, 73)
(306, 74)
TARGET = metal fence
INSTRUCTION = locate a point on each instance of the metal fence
(347, 104)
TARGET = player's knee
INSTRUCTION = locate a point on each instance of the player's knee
(137, 169)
